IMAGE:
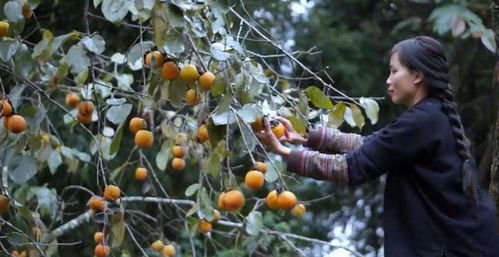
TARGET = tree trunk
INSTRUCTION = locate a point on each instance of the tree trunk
(494, 169)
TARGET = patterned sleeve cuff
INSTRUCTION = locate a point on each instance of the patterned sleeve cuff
(331, 167)
(295, 161)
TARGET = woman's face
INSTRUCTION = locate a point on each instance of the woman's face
(402, 83)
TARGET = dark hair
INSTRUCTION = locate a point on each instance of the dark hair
(427, 55)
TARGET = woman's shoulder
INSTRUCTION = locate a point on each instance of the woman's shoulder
(426, 113)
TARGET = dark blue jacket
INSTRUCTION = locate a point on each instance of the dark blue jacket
(425, 210)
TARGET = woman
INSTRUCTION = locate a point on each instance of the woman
(433, 203)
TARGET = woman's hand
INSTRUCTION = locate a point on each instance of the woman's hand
(290, 135)
(268, 138)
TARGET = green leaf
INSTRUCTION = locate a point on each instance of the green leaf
(193, 210)
(371, 107)
(353, 116)
(223, 118)
(22, 168)
(219, 85)
(175, 17)
(118, 113)
(337, 114)
(176, 92)
(175, 45)
(15, 95)
(488, 40)
(42, 48)
(115, 10)
(218, 52)
(13, 11)
(8, 47)
(77, 59)
(272, 174)
(191, 190)
(318, 98)
(249, 113)
(164, 155)
(94, 43)
(47, 200)
(118, 170)
(254, 223)
(298, 123)
(115, 144)
(117, 229)
(54, 161)
(23, 63)
(135, 58)
(212, 163)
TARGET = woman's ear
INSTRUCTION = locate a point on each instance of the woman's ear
(419, 78)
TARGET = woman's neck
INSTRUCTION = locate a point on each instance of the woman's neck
(420, 95)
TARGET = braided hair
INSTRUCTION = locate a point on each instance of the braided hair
(427, 55)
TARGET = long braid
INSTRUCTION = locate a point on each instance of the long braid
(470, 186)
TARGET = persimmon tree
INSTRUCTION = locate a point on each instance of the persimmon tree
(149, 149)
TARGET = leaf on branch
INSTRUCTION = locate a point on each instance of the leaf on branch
(22, 168)
(371, 107)
(254, 223)
(337, 114)
(135, 57)
(115, 10)
(13, 11)
(77, 59)
(118, 113)
(94, 43)
(318, 98)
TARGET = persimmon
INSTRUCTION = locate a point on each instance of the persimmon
(254, 179)
(298, 210)
(158, 58)
(286, 200)
(261, 166)
(178, 164)
(204, 226)
(72, 99)
(178, 151)
(5, 108)
(96, 203)
(27, 12)
(278, 129)
(220, 202)
(233, 199)
(4, 203)
(99, 237)
(170, 70)
(189, 73)
(206, 80)
(272, 200)
(4, 28)
(157, 245)
(169, 250)
(136, 124)
(86, 108)
(16, 124)
(144, 138)
(112, 193)
(192, 97)
(216, 216)
(203, 135)
(101, 250)
(140, 173)
(84, 118)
